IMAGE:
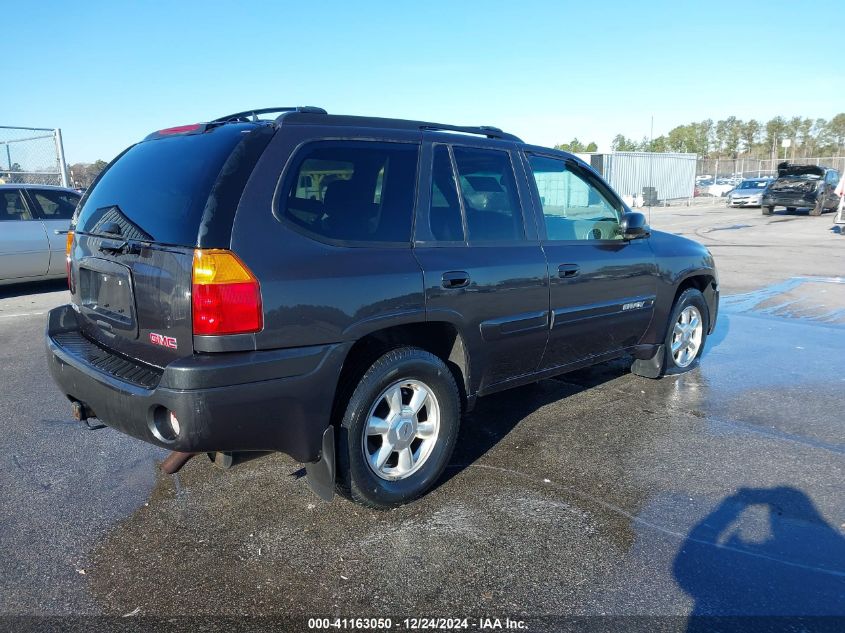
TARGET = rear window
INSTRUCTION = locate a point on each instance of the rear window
(353, 191)
(158, 189)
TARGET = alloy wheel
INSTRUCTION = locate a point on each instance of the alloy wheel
(402, 428)
(686, 336)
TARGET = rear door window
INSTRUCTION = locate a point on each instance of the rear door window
(55, 205)
(353, 191)
(488, 189)
(444, 213)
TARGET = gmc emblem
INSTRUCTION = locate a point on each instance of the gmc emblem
(164, 341)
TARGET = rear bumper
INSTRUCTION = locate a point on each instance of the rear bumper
(277, 400)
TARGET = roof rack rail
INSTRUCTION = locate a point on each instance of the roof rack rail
(485, 130)
(305, 116)
(252, 115)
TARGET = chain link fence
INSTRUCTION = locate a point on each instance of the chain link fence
(32, 155)
(758, 168)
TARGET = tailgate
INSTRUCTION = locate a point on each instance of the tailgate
(136, 302)
(137, 228)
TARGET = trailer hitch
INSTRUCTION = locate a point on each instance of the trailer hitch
(83, 413)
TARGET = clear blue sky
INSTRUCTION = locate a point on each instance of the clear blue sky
(108, 73)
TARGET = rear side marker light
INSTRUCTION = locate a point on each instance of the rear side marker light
(226, 296)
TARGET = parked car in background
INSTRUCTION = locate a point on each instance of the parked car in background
(358, 285)
(797, 186)
(749, 193)
(720, 189)
(30, 216)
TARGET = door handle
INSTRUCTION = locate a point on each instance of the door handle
(455, 279)
(567, 270)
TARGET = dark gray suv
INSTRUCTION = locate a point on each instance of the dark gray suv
(342, 289)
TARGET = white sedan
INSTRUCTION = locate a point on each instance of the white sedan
(33, 222)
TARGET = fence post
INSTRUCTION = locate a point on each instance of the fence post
(60, 152)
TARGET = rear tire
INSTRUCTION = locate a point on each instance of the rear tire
(768, 210)
(686, 332)
(399, 429)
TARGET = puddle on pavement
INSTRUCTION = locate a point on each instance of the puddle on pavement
(819, 299)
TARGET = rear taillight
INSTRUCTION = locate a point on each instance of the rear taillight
(226, 295)
(68, 246)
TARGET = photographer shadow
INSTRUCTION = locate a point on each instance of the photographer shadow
(762, 552)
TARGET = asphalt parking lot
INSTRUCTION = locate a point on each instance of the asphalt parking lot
(719, 492)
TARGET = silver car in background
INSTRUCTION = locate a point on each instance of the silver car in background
(748, 193)
(30, 216)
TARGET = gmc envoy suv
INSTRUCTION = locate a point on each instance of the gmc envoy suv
(343, 288)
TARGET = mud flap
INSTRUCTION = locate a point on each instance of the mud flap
(321, 473)
(650, 367)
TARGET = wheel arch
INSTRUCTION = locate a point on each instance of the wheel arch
(706, 282)
(441, 338)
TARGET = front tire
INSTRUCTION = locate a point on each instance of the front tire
(768, 210)
(687, 332)
(818, 208)
(399, 429)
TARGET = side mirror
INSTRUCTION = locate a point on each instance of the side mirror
(634, 226)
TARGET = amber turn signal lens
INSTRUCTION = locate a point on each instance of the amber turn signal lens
(226, 296)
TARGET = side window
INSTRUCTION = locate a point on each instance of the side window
(354, 191)
(444, 214)
(574, 208)
(12, 206)
(55, 205)
(488, 188)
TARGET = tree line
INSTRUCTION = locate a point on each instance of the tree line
(575, 146)
(733, 137)
(83, 174)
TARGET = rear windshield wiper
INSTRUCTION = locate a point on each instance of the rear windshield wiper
(114, 246)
